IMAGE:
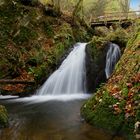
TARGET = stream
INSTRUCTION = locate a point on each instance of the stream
(51, 119)
(54, 113)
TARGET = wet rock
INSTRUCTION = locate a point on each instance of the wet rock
(95, 66)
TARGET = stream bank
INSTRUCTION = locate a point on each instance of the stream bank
(115, 106)
(32, 45)
(39, 119)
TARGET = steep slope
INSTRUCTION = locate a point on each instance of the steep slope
(32, 42)
(116, 105)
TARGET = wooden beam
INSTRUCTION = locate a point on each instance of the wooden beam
(122, 12)
(117, 16)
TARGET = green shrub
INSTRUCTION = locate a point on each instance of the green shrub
(48, 29)
(25, 35)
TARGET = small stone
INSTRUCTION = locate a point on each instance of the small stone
(85, 106)
(138, 136)
(110, 106)
(117, 103)
(137, 127)
(94, 106)
(100, 100)
(82, 119)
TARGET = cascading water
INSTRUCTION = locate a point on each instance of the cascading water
(70, 76)
(113, 55)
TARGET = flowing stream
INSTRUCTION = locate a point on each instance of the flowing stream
(113, 55)
(56, 114)
(48, 120)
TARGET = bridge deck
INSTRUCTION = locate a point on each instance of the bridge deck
(116, 17)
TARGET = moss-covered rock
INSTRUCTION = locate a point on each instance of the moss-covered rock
(119, 36)
(116, 105)
(95, 62)
(96, 54)
(3, 117)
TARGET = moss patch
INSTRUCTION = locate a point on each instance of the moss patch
(3, 117)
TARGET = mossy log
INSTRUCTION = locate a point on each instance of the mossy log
(5, 81)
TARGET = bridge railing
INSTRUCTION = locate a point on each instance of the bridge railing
(117, 16)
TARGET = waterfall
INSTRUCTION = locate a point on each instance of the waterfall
(113, 55)
(69, 78)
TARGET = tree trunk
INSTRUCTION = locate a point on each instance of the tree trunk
(78, 9)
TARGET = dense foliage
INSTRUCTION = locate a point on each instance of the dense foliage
(32, 43)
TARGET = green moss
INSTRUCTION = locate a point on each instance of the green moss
(48, 29)
(59, 51)
(3, 116)
(81, 34)
(99, 109)
(64, 32)
(119, 36)
(25, 35)
(96, 46)
(125, 91)
(101, 114)
(38, 72)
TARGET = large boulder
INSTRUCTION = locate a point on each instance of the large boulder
(96, 54)
(95, 63)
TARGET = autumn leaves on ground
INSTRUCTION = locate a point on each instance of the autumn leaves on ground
(32, 44)
(116, 105)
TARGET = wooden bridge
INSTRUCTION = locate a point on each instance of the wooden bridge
(122, 18)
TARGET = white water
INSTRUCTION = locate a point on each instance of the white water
(113, 55)
(40, 99)
(70, 76)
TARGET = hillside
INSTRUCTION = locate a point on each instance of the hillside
(32, 43)
(116, 104)
(35, 37)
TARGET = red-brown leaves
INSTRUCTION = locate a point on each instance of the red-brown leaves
(129, 108)
(19, 87)
(116, 108)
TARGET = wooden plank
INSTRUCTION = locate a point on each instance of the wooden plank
(116, 15)
(123, 12)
